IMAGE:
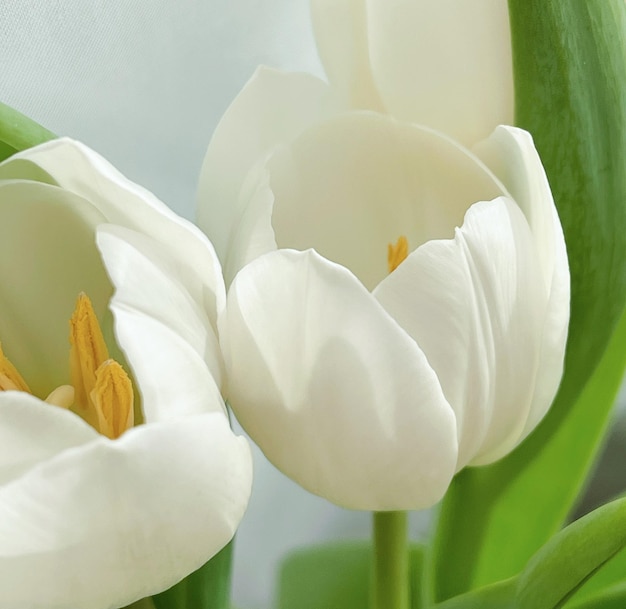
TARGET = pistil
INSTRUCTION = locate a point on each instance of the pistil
(62, 396)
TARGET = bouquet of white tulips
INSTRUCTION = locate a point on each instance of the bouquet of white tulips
(406, 282)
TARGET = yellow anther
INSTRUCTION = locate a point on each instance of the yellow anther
(112, 398)
(62, 396)
(101, 392)
(6, 384)
(10, 378)
(87, 352)
(396, 254)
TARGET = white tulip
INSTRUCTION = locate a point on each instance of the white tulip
(86, 520)
(368, 384)
(442, 63)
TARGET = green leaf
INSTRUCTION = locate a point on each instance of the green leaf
(6, 151)
(570, 77)
(612, 574)
(570, 71)
(206, 588)
(571, 557)
(615, 598)
(500, 595)
(144, 603)
(18, 132)
(335, 575)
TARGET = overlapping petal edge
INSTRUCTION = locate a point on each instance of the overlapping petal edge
(443, 64)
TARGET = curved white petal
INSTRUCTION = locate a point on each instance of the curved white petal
(32, 431)
(443, 63)
(334, 392)
(167, 337)
(475, 305)
(511, 154)
(47, 257)
(77, 168)
(101, 525)
(272, 107)
(352, 184)
(253, 235)
(341, 33)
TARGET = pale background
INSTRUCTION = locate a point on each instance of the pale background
(144, 83)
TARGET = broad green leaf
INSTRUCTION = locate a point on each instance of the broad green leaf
(6, 151)
(18, 132)
(570, 77)
(615, 598)
(571, 557)
(500, 595)
(144, 603)
(206, 588)
(335, 575)
(612, 574)
(570, 71)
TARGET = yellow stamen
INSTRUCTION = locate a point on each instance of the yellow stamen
(6, 384)
(87, 352)
(62, 396)
(396, 254)
(101, 392)
(10, 378)
(113, 399)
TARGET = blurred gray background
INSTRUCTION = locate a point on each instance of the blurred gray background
(144, 83)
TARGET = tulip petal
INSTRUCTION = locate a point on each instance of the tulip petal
(510, 153)
(163, 332)
(254, 234)
(475, 305)
(32, 431)
(104, 524)
(342, 40)
(355, 183)
(334, 392)
(77, 168)
(271, 108)
(47, 259)
(443, 63)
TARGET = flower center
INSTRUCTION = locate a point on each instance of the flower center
(101, 392)
(396, 254)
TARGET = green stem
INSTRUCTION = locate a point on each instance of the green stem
(390, 581)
